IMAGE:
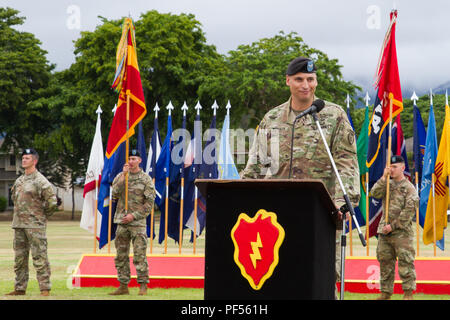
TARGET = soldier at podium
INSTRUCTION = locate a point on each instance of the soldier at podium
(279, 152)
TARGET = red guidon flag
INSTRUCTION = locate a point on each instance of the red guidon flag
(127, 81)
(256, 242)
(388, 84)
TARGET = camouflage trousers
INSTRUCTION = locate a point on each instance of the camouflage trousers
(389, 249)
(36, 241)
(138, 237)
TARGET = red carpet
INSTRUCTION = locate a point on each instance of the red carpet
(165, 271)
(362, 275)
(174, 271)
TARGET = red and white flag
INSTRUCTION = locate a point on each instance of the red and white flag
(92, 182)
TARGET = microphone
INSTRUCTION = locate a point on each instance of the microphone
(316, 106)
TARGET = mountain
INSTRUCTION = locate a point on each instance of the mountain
(407, 91)
(441, 88)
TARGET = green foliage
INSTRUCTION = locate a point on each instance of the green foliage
(173, 58)
(253, 77)
(55, 112)
(424, 106)
(24, 70)
(407, 114)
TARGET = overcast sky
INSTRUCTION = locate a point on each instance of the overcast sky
(350, 30)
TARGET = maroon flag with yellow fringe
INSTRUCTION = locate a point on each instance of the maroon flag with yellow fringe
(127, 81)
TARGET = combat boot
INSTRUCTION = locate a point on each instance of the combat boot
(121, 290)
(16, 293)
(384, 296)
(143, 289)
(45, 293)
(408, 295)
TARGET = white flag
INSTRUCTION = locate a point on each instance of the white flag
(93, 174)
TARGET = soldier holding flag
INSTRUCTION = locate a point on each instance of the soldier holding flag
(132, 222)
(396, 235)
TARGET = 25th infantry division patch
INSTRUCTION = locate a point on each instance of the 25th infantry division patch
(256, 244)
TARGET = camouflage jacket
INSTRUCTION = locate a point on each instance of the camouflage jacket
(403, 201)
(34, 200)
(141, 196)
(270, 154)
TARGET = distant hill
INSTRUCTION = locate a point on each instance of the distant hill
(441, 89)
(406, 91)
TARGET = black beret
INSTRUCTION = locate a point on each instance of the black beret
(301, 64)
(397, 159)
(134, 153)
(29, 151)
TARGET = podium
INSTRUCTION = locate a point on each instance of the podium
(269, 240)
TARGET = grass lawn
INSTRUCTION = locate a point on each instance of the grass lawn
(67, 242)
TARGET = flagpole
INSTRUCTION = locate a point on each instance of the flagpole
(347, 100)
(367, 212)
(95, 215)
(388, 161)
(180, 237)
(433, 181)
(109, 219)
(366, 99)
(166, 215)
(197, 107)
(127, 149)
(417, 212)
(152, 213)
(414, 98)
(195, 218)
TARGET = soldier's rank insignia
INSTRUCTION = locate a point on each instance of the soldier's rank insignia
(256, 244)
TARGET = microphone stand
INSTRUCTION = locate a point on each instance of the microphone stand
(344, 209)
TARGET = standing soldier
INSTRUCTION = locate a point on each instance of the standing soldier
(396, 236)
(132, 222)
(34, 201)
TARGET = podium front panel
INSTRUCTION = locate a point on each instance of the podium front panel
(306, 257)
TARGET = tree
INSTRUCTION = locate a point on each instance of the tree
(66, 144)
(253, 77)
(24, 70)
(173, 58)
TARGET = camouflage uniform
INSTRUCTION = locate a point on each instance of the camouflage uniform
(34, 200)
(141, 196)
(270, 154)
(398, 244)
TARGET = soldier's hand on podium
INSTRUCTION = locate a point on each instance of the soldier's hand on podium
(347, 216)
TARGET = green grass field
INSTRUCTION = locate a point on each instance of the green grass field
(67, 242)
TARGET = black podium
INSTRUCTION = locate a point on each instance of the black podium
(268, 239)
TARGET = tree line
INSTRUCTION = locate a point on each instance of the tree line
(54, 111)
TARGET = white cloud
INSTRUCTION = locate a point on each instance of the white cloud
(338, 28)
